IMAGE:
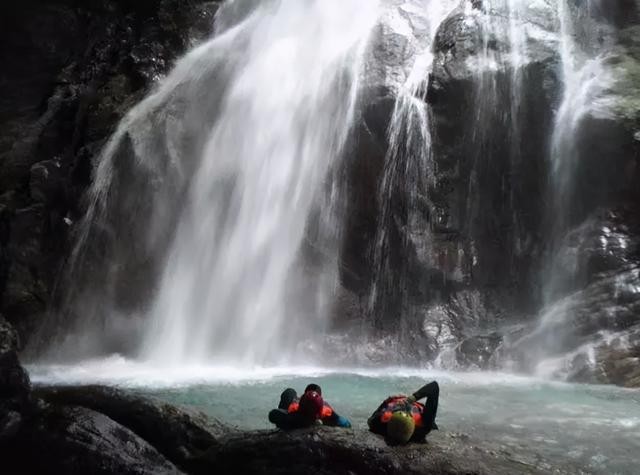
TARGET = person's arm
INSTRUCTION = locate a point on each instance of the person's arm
(428, 390)
(432, 392)
(335, 420)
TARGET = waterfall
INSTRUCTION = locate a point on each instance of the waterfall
(498, 98)
(214, 231)
(585, 78)
(584, 46)
(282, 124)
(238, 145)
(408, 169)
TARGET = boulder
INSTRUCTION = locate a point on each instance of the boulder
(339, 451)
(178, 434)
(477, 351)
(598, 319)
(607, 241)
(76, 440)
(615, 360)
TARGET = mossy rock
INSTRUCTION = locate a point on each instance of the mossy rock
(625, 65)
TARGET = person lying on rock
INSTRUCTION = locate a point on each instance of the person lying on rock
(403, 419)
(308, 410)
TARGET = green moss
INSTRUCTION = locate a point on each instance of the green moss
(625, 64)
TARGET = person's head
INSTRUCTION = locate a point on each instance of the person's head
(313, 387)
(310, 406)
(400, 427)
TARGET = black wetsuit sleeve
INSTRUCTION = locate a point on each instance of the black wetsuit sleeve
(432, 392)
(335, 420)
(332, 420)
(428, 390)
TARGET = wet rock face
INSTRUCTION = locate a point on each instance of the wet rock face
(477, 351)
(488, 195)
(579, 336)
(482, 226)
(589, 333)
(399, 37)
(73, 71)
(608, 241)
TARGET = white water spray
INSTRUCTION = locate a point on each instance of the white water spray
(283, 122)
(586, 79)
(236, 146)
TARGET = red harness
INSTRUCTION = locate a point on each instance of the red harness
(398, 403)
(327, 410)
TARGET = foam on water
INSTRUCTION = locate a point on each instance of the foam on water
(121, 371)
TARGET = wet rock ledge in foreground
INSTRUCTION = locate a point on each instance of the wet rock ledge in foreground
(100, 430)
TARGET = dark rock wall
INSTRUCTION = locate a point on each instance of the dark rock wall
(72, 70)
(491, 250)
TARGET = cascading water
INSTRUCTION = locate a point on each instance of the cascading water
(239, 140)
(585, 78)
(407, 169)
(227, 179)
(498, 97)
(283, 122)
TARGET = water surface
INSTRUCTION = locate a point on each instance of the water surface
(590, 429)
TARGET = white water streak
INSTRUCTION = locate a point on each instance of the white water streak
(408, 157)
(283, 122)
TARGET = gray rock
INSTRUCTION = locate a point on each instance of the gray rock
(402, 33)
(339, 451)
(608, 240)
(477, 352)
(76, 440)
(569, 331)
(46, 183)
(9, 341)
(178, 434)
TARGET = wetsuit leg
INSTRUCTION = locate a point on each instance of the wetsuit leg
(286, 398)
(280, 418)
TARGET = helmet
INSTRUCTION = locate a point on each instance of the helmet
(313, 387)
(311, 404)
(400, 427)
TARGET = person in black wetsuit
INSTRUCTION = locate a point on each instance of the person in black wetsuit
(306, 411)
(403, 419)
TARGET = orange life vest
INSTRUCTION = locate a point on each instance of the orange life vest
(327, 410)
(397, 403)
